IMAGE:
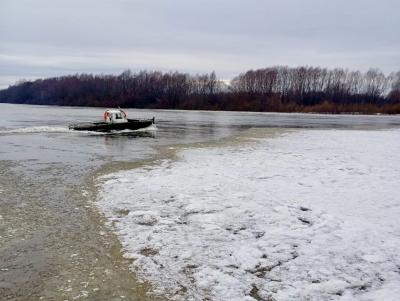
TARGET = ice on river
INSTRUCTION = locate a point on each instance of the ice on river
(308, 215)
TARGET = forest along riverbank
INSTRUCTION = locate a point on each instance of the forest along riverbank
(308, 215)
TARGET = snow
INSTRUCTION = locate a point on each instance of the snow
(308, 215)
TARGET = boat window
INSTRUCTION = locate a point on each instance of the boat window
(118, 116)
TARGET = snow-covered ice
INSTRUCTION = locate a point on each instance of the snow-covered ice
(308, 215)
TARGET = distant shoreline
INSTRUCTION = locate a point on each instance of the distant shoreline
(273, 89)
(352, 113)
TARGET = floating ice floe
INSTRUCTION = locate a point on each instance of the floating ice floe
(309, 215)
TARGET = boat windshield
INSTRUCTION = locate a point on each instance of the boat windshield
(118, 116)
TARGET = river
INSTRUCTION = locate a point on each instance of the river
(54, 244)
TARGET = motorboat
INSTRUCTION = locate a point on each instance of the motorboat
(113, 120)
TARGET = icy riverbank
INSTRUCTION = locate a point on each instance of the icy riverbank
(309, 215)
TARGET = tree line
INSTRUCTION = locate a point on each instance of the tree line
(279, 88)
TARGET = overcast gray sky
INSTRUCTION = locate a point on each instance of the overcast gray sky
(42, 38)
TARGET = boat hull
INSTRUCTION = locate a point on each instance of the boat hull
(132, 124)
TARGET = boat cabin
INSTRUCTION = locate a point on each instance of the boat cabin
(115, 116)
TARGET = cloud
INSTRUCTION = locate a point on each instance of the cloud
(46, 38)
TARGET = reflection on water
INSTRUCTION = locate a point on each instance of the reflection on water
(53, 243)
(130, 135)
(118, 142)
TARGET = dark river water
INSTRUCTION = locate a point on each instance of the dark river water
(53, 241)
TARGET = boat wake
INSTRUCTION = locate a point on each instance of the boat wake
(65, 129)
(35, 129)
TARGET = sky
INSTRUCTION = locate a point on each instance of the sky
(44, 38)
